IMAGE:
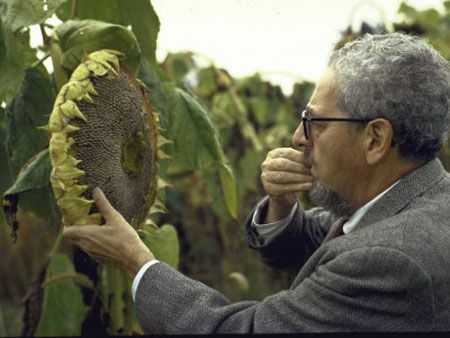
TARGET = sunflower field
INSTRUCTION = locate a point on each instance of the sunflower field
(205, 134)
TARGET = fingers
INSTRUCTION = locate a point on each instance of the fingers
(284, 164)
(81, 236)
(103, 205)
(290, 154)
(287, 159)
(283, 189)
(95, 240)
(285, 171)
(282, 177)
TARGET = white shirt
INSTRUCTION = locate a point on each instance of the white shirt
(269, 230)
(139, 275)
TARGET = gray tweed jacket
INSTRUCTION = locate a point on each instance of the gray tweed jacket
(391, 273)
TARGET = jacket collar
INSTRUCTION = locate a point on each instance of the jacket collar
(408, 188)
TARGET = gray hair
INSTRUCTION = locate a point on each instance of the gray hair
(400, 78)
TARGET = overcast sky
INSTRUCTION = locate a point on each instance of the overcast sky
(285, 40)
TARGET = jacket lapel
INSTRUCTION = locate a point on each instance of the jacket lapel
(335, 229)
(408, 188)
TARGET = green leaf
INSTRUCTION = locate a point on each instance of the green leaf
(178, 65)
(207, 84)
(228, 183)
(118, 305)
(35, 174)
(426, 19)
(162, 242)
(39, 201)
(259, 106)
(22, 13)
(28, 111)
(114, 283)
(86, 36)
(139, 14)
(15, 55)
(63, 309)
(248, 170)
(196, 143)
(156, 96)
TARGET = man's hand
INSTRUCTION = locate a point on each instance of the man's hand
(284, 172)
(115, 242)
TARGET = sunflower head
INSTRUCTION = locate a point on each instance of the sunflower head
(103, 134)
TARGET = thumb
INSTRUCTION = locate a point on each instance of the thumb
(106, 209)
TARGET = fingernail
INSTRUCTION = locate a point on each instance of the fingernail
(96, 191)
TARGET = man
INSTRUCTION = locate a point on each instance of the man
(375, 256)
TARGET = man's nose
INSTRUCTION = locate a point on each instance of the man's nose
(299, 139)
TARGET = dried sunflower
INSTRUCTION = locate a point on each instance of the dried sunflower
(103, 134)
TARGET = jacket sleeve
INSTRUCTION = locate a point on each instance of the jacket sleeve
(352, 292)
(292, 247)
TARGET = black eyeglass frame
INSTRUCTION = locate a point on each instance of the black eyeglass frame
(307, 120)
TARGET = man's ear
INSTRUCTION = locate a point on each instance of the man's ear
(378, 136)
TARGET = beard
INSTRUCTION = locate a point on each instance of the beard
(321, 196)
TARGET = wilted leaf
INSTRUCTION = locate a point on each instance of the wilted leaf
(162, 242)
(77, 38)
(22, 13)
(34, 301)
(5, 177)
(63, 309)
(139, 14)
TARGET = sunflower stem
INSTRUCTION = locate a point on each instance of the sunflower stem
(59, 73)
(73, 8)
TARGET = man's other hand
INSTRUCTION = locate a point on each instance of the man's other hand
(115, 242)
(284, 172)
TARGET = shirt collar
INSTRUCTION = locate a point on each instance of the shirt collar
(358, 214)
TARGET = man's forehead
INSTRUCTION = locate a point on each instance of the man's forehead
(324, 98)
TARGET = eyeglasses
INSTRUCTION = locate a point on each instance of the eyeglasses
(307, 120)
